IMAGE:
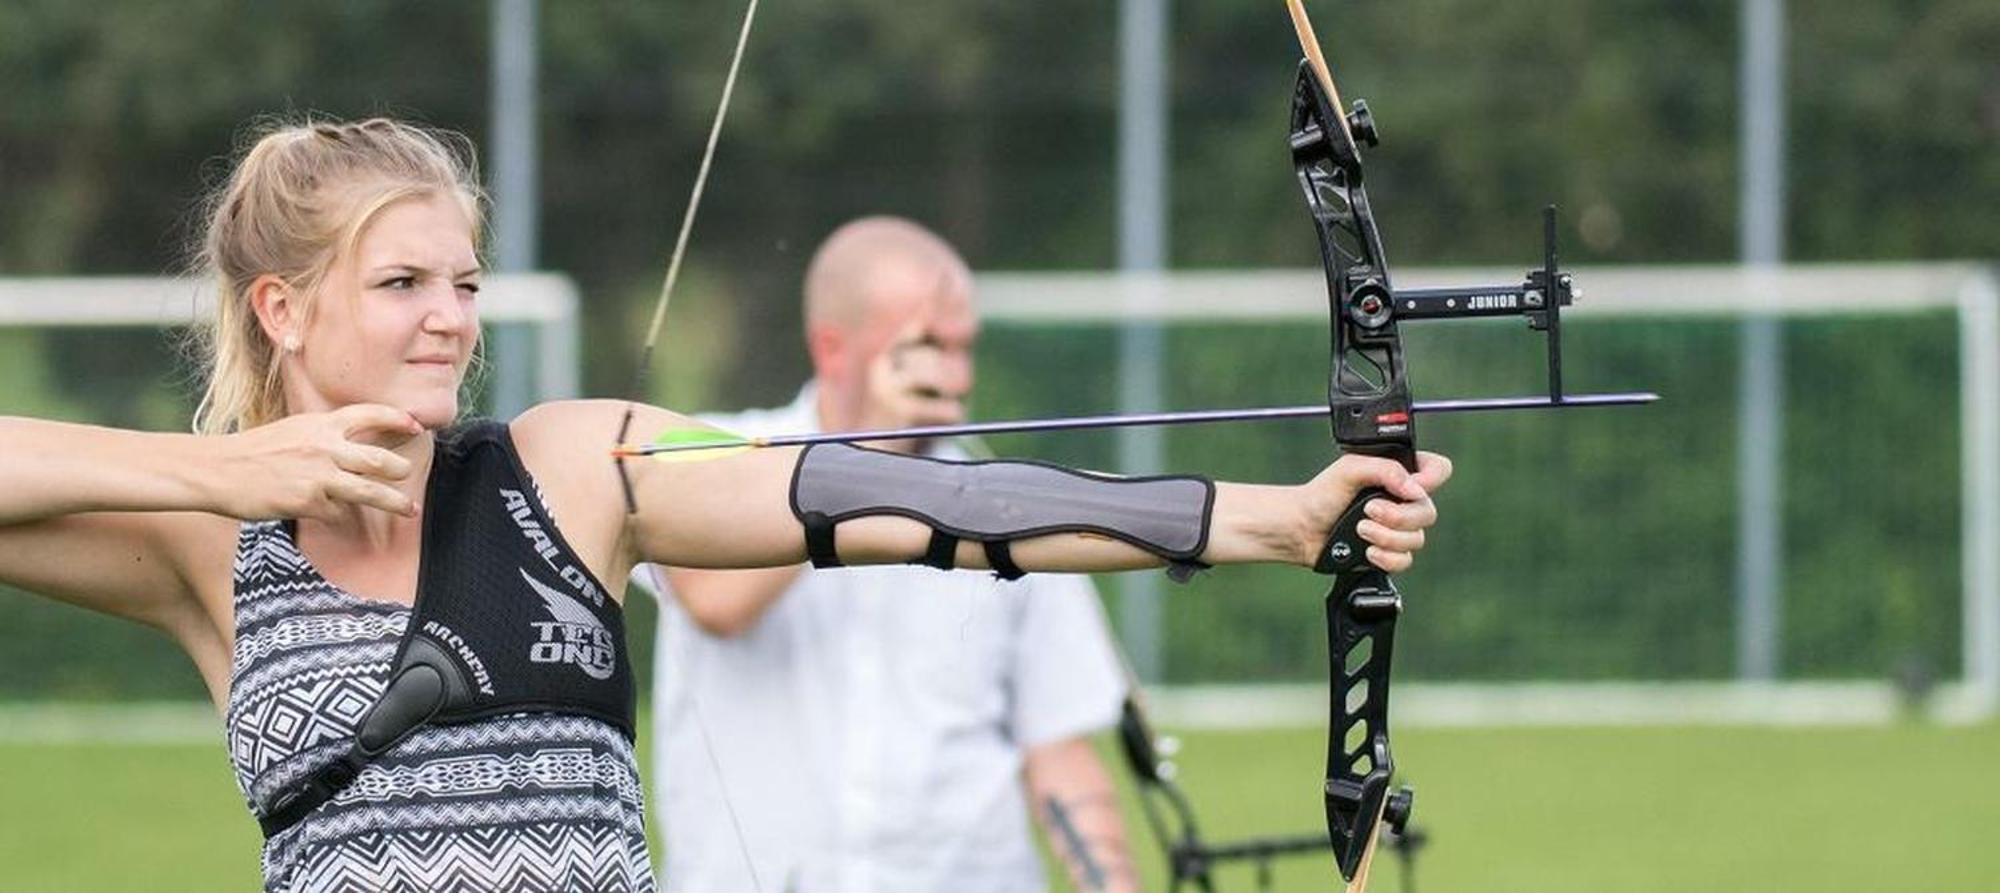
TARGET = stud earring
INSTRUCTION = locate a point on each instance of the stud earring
(291, 344)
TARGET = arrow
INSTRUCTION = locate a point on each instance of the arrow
(685, 441)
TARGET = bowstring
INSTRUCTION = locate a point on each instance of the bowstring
(688, 685)
(700, 183)
(638, 392)
(680, 246)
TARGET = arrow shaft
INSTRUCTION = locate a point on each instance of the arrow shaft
(1144, 419)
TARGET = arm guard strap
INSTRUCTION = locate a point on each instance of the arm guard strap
(997, 502)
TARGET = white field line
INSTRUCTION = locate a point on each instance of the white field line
(1413, 705)
(170, 301)
(1266, 294)
(169, 722)
(1476, 705)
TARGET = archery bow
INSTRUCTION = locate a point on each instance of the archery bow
(1369, 397)
(1371, 412)
(1368, 394)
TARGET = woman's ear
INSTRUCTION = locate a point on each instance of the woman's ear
(278, 311)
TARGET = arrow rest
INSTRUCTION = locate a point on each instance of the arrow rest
(1361, 123)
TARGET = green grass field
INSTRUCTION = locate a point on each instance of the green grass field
(1910, 808)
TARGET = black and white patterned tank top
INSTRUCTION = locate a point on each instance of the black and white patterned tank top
(513, 803)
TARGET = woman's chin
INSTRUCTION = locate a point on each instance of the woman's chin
(434, 413)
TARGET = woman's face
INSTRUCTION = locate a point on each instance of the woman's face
(396, 321)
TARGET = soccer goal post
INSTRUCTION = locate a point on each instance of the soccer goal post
(1829, 311)
(546, 303)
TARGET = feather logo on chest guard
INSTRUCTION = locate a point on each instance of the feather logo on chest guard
(575, 636)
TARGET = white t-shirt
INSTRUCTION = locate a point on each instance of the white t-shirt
(870, 729)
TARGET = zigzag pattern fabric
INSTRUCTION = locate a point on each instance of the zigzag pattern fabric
(525, 802)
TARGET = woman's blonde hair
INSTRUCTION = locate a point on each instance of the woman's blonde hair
(296, 201)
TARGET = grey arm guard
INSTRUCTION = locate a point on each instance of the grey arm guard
(994, 502)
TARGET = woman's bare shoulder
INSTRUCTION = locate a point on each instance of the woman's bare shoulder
(579, 421)
(566, 445)
(584, 430)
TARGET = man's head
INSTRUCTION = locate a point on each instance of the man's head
(890, 325)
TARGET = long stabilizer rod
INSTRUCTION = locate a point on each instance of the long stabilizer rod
(1079, 423)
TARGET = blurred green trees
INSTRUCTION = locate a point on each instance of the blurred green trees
(995, 122)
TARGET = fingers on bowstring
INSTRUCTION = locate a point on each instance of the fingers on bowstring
(354, 489)
(372, 461)
(365, 418)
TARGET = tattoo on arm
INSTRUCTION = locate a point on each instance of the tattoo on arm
(1073, 849)
(1096, 863)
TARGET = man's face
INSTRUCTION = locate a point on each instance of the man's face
(913, 349)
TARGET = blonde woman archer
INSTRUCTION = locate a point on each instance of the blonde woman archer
(479, 736)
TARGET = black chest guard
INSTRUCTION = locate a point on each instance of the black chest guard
(507, 620)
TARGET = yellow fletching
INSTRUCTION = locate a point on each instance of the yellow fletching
(724, 444)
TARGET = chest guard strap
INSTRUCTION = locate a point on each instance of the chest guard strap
(507, 620)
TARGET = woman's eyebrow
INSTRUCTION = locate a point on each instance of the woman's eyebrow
(420, 270)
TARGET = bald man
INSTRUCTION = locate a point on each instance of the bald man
(883, 729)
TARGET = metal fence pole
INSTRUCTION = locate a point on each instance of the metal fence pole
(1760, 401)
(516, 201)
(1979, 406)
(1142, 254)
